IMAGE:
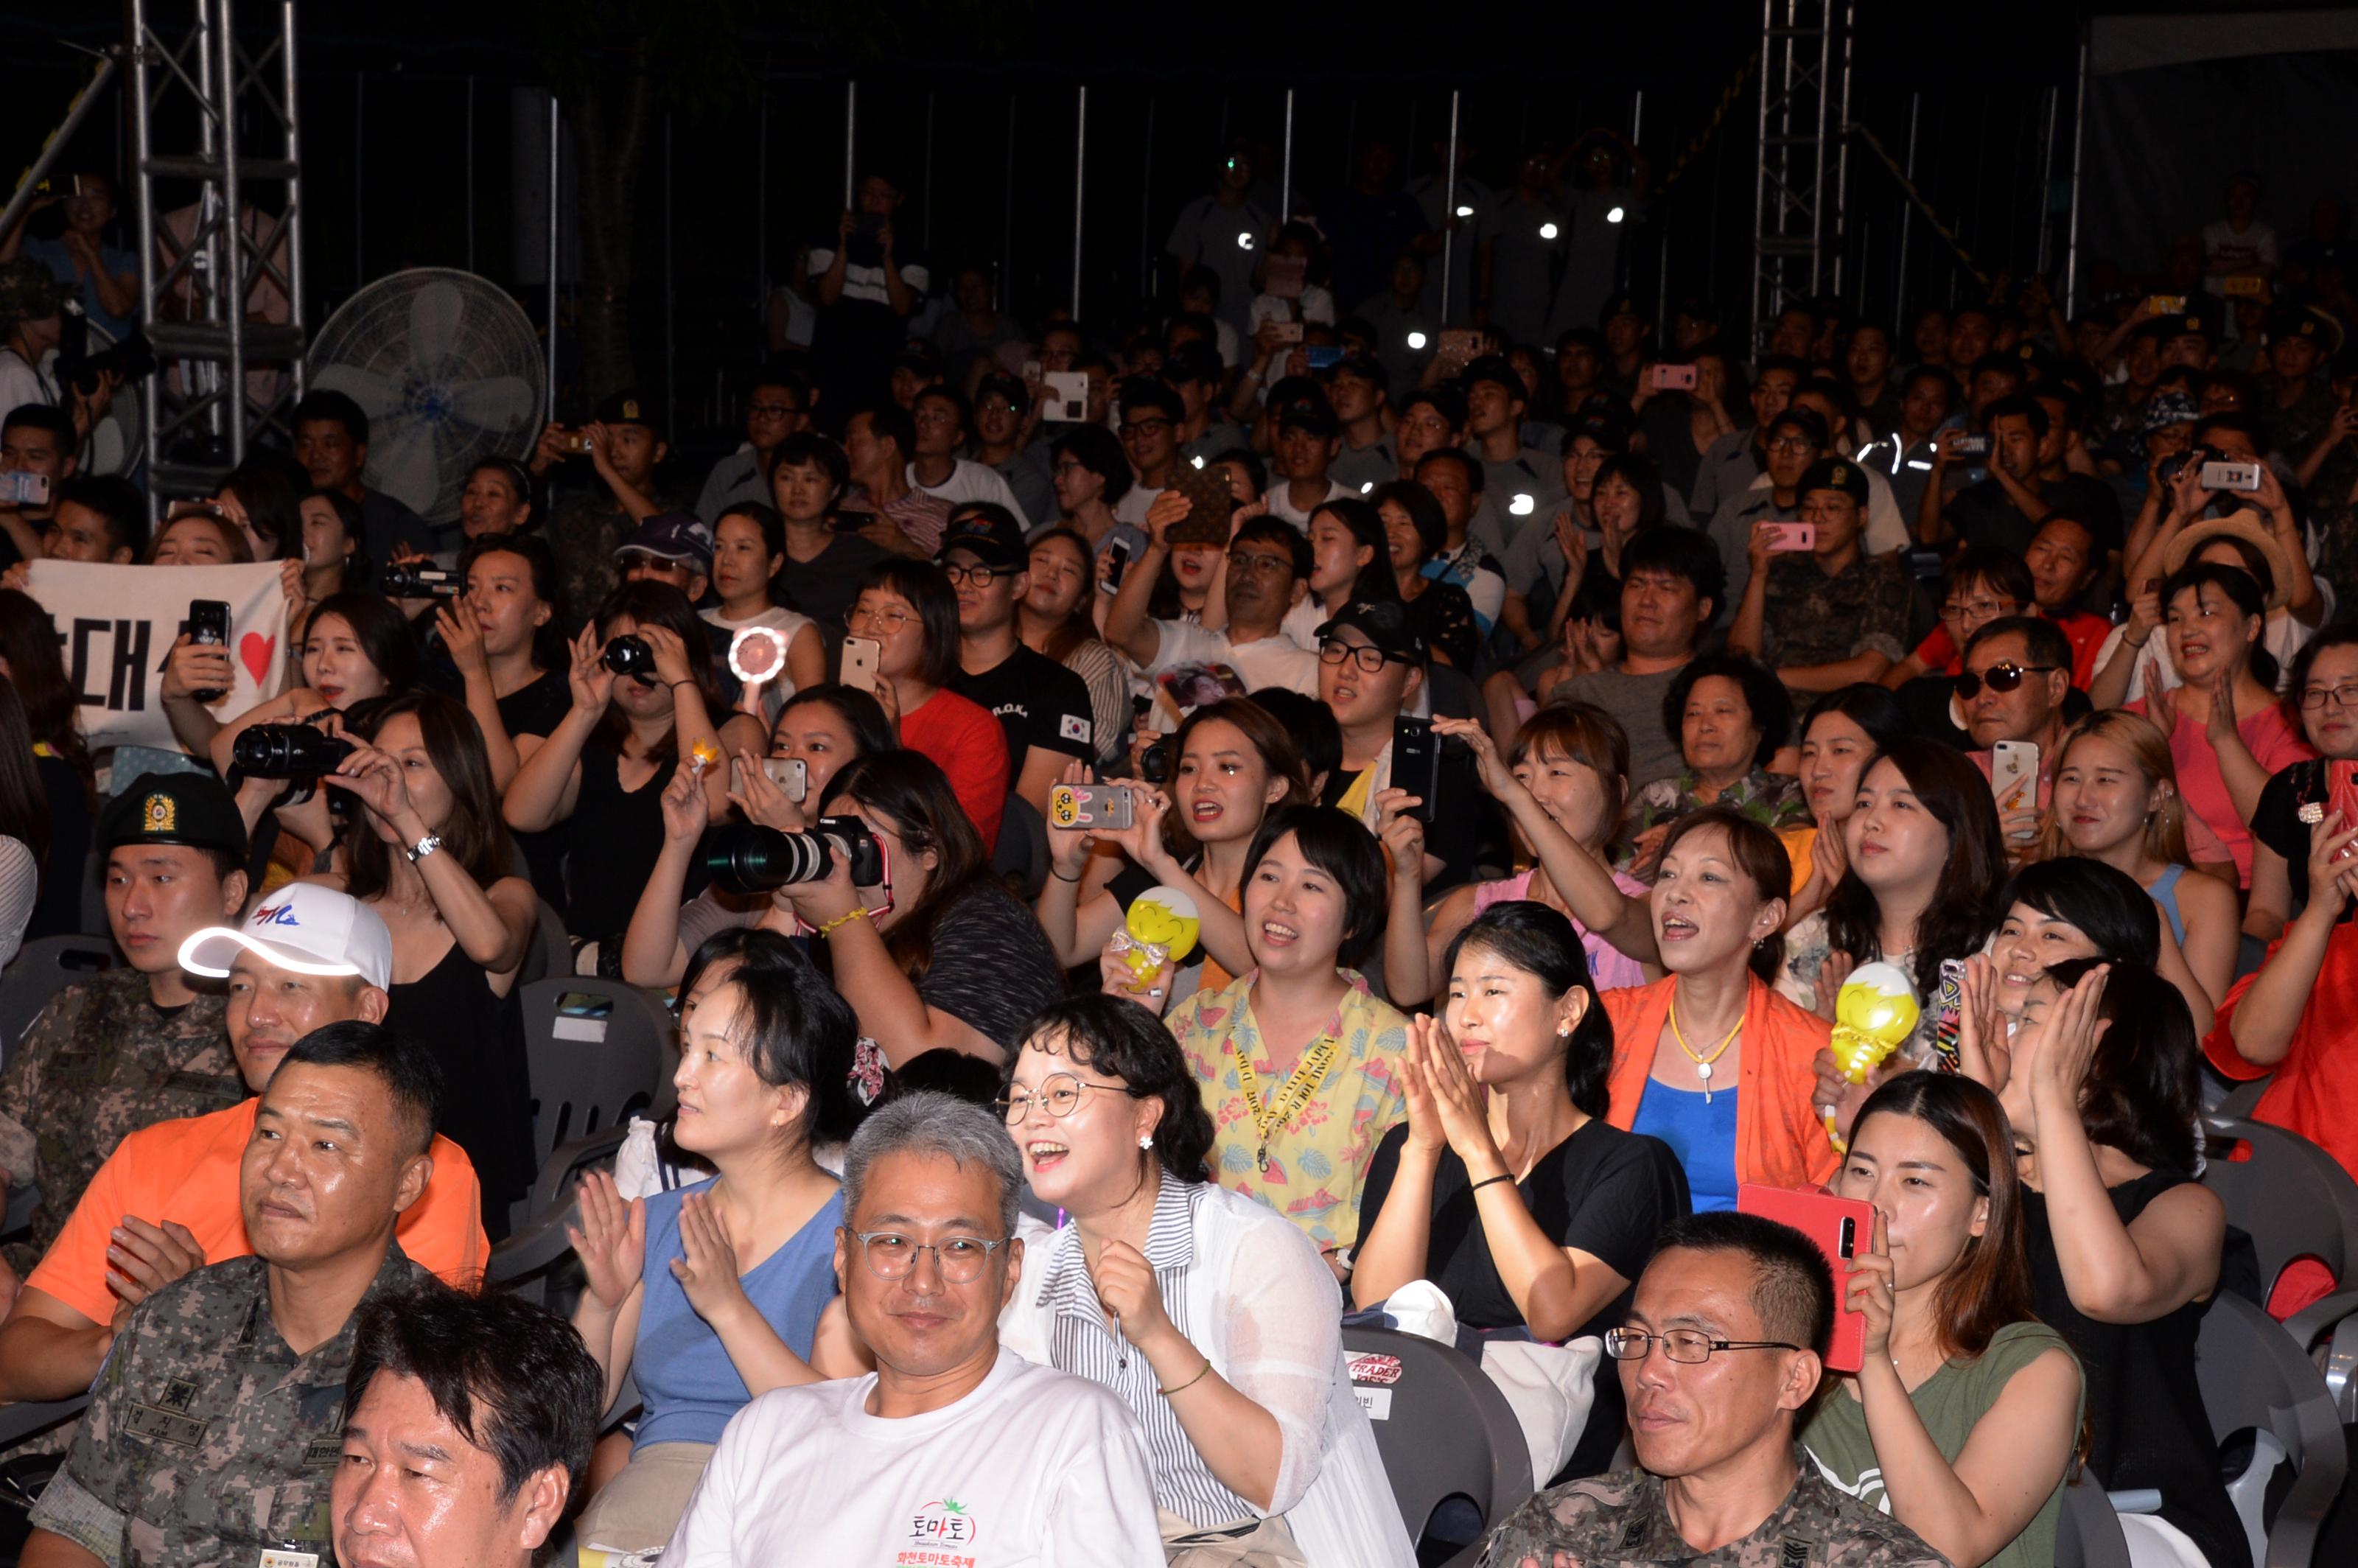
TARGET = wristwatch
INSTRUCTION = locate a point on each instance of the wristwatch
(423, 848)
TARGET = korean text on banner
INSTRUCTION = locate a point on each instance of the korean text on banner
(117, 623)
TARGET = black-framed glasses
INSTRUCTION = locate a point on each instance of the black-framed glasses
(889, 1254)
(2002, 677)
(1688, 1347)
(2343, 695)
(980, 576)
(772, 410)
(1263, 562)
(1334, 651)
(1144, 427)
(1059, 1094)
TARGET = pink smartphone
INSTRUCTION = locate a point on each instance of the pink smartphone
(1793, 536)
(1844, 1229)
(1673, 378)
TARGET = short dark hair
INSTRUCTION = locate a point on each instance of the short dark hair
(2043, 641)
(1097, 450)
(336, 407)
(1474, 476)
(942, 393)
(1681, 552)
(1542, 944)
(1268, 530)
(1445, 400)
(891, 422)
(1798, 369)
(793, 1027)
(1929, 373)
(1995, 566)
(44, 417)
(1255, 470)
(1116, 1036)
(117, 503)
(1338, 844)
(861, 712)
(804, 448)
(1763, 693)
(2094, 899)
(1141, 394)
(510, 1375)
(930, 595)
(2021, 406)
(1792, 1289)
(406, 1069)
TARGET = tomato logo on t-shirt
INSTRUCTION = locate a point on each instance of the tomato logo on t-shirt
(944, 1523)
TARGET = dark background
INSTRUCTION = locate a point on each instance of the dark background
(398, 173)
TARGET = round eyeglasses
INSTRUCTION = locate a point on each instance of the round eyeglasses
(1060, 1093)
(1690, 1346)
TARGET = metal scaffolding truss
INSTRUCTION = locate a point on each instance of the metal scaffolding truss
(218, 181)
(1804, 161)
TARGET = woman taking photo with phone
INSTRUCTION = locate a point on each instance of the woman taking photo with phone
(908, 610)
(1212, 1318)
(427, 853)
(601, 769)
(708, 1295)
(821, 730)
(504, 640)
(937, 955)
(1236, 764)
(1507, 1187)
(1961, 1420)
(1710, 1059)
(1298, 1060)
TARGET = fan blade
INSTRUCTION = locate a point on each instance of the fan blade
(378, 395)
(495, 402)
(402, 463)
(434, 313)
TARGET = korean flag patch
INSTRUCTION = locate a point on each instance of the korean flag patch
(1072, 727)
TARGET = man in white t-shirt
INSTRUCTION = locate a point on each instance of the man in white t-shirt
(1308, 443)
(1151, 417)
(1266, 570)
(944, 419)
(954, 1450)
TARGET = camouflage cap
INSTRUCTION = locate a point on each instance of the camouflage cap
(28, 291)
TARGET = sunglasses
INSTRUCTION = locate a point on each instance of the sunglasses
(2002, 677)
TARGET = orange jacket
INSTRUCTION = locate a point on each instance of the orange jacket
(1780, 1140)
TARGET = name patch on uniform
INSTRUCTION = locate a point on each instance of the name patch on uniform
(323, 1451)
(161, 1425)
(279, 1557)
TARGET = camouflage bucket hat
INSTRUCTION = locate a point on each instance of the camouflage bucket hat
(28, 291)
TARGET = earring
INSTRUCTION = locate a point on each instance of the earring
(1147, 1141)
(1563, 1031)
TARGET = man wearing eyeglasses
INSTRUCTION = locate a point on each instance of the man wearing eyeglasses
(2017, 673)
(1796, 438)
(954, 1450)
(1719, 1354)
(1151, 419)
(778, 405)
(1041, 705)
(1266, 571)
(943, 420)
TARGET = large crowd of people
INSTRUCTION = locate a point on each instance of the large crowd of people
(1166, 838)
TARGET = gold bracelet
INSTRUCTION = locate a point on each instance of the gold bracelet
(857, 912)
(1191, 1382)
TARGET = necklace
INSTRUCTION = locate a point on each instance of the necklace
(1703, 1063)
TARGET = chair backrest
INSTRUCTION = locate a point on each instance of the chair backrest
(595, 1051)
(1444, 1428)
(2088, 1534)
(551, 952)
(2253, 1375)
(2290, 1196)
(38, 972)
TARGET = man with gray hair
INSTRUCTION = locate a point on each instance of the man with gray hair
(955, 1450)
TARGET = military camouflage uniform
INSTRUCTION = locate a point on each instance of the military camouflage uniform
(1619, 1519)
(103, 1061)
(206, 1438)
(1808, 618)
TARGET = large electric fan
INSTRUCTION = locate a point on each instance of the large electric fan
(447, 369)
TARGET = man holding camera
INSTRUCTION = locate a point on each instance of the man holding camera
(106, 276)
(166, 1202)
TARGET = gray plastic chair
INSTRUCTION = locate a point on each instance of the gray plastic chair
(2289, 1196)
(38, 972)
(591, 1066)
(2253, 1375)
(551, 952)
(2088, 1534)
(523, 1262)
(1445, 1431)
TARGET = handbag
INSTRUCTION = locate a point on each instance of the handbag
(1253, 1543)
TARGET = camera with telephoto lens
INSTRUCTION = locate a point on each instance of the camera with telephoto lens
(628, 655)
(745, 857)
(301, 754)
(421, 579)
(132, 359)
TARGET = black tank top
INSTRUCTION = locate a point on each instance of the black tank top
(477, 1038)
(613, 837)
(2144, 1407)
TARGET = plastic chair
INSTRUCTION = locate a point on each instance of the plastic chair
(1445, 1431)
(2088, 1534)
(2290, 1196)
(2252, 1376)
(522, 1260)
(38, 972)
(595, 1050)
(551, 952)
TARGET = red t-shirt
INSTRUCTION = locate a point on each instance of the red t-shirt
(2085, 632)
(967, 743)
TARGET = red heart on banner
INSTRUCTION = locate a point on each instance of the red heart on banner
(254, 651)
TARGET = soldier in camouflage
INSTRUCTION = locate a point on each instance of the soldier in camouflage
(1715, 1363)
(212, 1436)
(139, 1044)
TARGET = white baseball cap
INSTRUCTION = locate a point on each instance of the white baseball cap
(304, 927)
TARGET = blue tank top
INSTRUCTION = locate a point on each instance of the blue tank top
(2165, 894)
(683, 1372)
(1702, 1135)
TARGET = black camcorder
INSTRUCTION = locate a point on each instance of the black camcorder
(301, 754)
(421, 580)
(627, 655)
(744, 858)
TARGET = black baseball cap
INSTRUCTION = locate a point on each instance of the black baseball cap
(195, 809)
(1011, 387)
(628, 407)
(995, 541)
(1315, 417)
(1385, 623)
(1836, 473)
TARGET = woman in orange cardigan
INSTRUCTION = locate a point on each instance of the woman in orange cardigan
(1711, 1060)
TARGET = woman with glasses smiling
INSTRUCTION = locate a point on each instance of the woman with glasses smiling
(1209, 1315)
(909, 610)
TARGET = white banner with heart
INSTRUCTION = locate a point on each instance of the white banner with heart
(116, 625)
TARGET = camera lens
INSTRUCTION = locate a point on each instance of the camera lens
(744, 858)
(1154, 763)
(288, 751)
(630, 657)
